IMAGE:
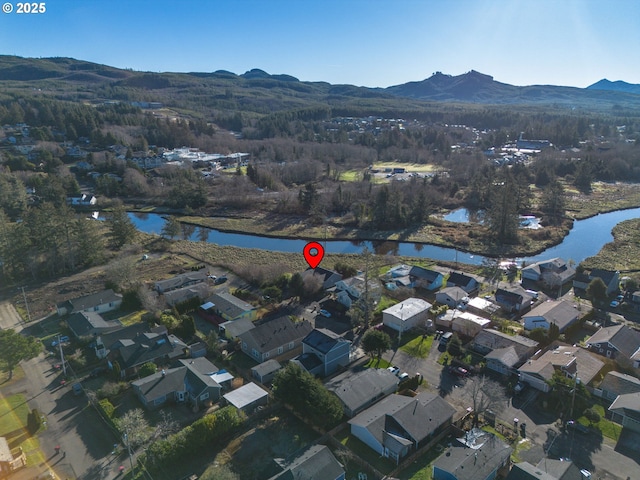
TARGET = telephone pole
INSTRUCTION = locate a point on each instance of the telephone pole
(26, 304)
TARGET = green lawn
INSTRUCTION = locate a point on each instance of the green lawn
(384, 303)
(132, 318)
(419, 346)
(422, 468)
(377, 363)
(13, 414)
(608, 428)
(381, 464)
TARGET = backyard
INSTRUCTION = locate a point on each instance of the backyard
(13, 426)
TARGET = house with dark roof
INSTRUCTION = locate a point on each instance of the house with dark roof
(230, 307)
(513, 300)
(430, 280)
(547, 469)
(234, 328)
(398, 425)
(179, 295)
(181, 281)
(451, 296)
(265, 371)
(99, 302)
(314, 463)
(275, 338)
(351, 290)
(159, 348)
(323, 352)
(619, 342)
(463, 281)
(479, 455)
(553, 273)
(327, 278)
(625, 410)
(560, 312)
(568, 360)
(610, 278)
(504, 353)
(105, 340)
(616, 383)
(359, 390)
(191, 382)
(90, 324)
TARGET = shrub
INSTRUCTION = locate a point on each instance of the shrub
(592, 415)
(34, 421)
(107, 407)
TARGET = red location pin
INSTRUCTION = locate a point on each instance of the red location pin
(313, 259)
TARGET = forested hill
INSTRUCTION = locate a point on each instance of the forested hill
(258, 92)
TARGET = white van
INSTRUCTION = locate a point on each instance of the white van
(444, 339)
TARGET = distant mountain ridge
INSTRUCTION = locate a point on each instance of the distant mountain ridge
(289, 92)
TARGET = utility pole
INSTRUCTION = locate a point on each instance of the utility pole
(64, 367)
(26, 304)
(127, 443)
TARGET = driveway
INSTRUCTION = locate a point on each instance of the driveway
(85, 441)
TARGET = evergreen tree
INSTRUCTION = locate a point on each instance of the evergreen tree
(122, 229)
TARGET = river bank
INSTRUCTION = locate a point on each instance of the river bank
(623, 254)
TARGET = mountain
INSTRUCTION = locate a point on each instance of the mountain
(476, 87)
(258, 92)
(617, 86)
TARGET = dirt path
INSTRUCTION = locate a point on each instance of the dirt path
(9, 317)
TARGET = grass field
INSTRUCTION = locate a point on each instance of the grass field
(409, 167)
(607, 427)
(377, 363)
(419, 346)
(13, 426)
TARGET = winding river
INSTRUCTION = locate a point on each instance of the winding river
(585, 239)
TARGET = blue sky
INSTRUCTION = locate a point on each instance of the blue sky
(374, 43)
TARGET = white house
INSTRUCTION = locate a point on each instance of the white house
(469, 324)
(403, 316)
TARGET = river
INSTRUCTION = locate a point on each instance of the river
(585, 239)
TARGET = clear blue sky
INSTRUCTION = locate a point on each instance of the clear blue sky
(374, 43)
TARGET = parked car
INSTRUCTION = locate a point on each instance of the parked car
(63, 339)
(614, 304)
(77, 389)
(220, 280)
(520, 386)
(403, 376)
(325, 313)
(394, 370)
(577, 426)
(459, 371)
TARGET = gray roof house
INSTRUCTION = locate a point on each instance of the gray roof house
(274, 338)
(328, 278)
(547, 469)
(513, 300)
(625, 410)
(230, 307)
(179, 295)
(553, 273)
(610, 278)
(247, 397)
(359, 390)
(465, 282)
(562, 358)
(430, 280)
(619, 342)
(314, 463)
(191, 382)
(564, 314)
(616, 383)
(479, 455)
(234, 328)
(398, 425)
(105, 340)
(159, 348)
(181, 281)
(84, 324)
(100, 302)
(324, 352)
(265, 371)
(451, 296)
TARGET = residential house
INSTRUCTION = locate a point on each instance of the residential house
(503, 353)
(482, 306)
(403, 316)
(451, 296)
(131, 354)
(326, 278)
(552, 273)
(89, 324)
(82, 200)
(547, 469)
(352, 290)
(181, 281)
(323, 352)
(515, 300)
(247, 397)
(610, 278)
(234, 328)
(398, 425)
(479, 455)
(230, 307)
(427, 279)
(191, 382)
(564, 314)
(180, 295)
(8, 461)
(315, 462)
(398, 271)
(625, 410)
(359, 390)
(265, 371)
(275, 338)
(571, 361)
(619, 342)
(100, 302)
(616, 383)
(463, 281)
(105, 340)
(468, 324)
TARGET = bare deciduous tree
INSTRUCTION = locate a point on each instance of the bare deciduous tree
(481, 394)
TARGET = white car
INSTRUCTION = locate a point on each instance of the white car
(394, 370)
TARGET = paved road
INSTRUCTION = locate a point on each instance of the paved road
(86, 443)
